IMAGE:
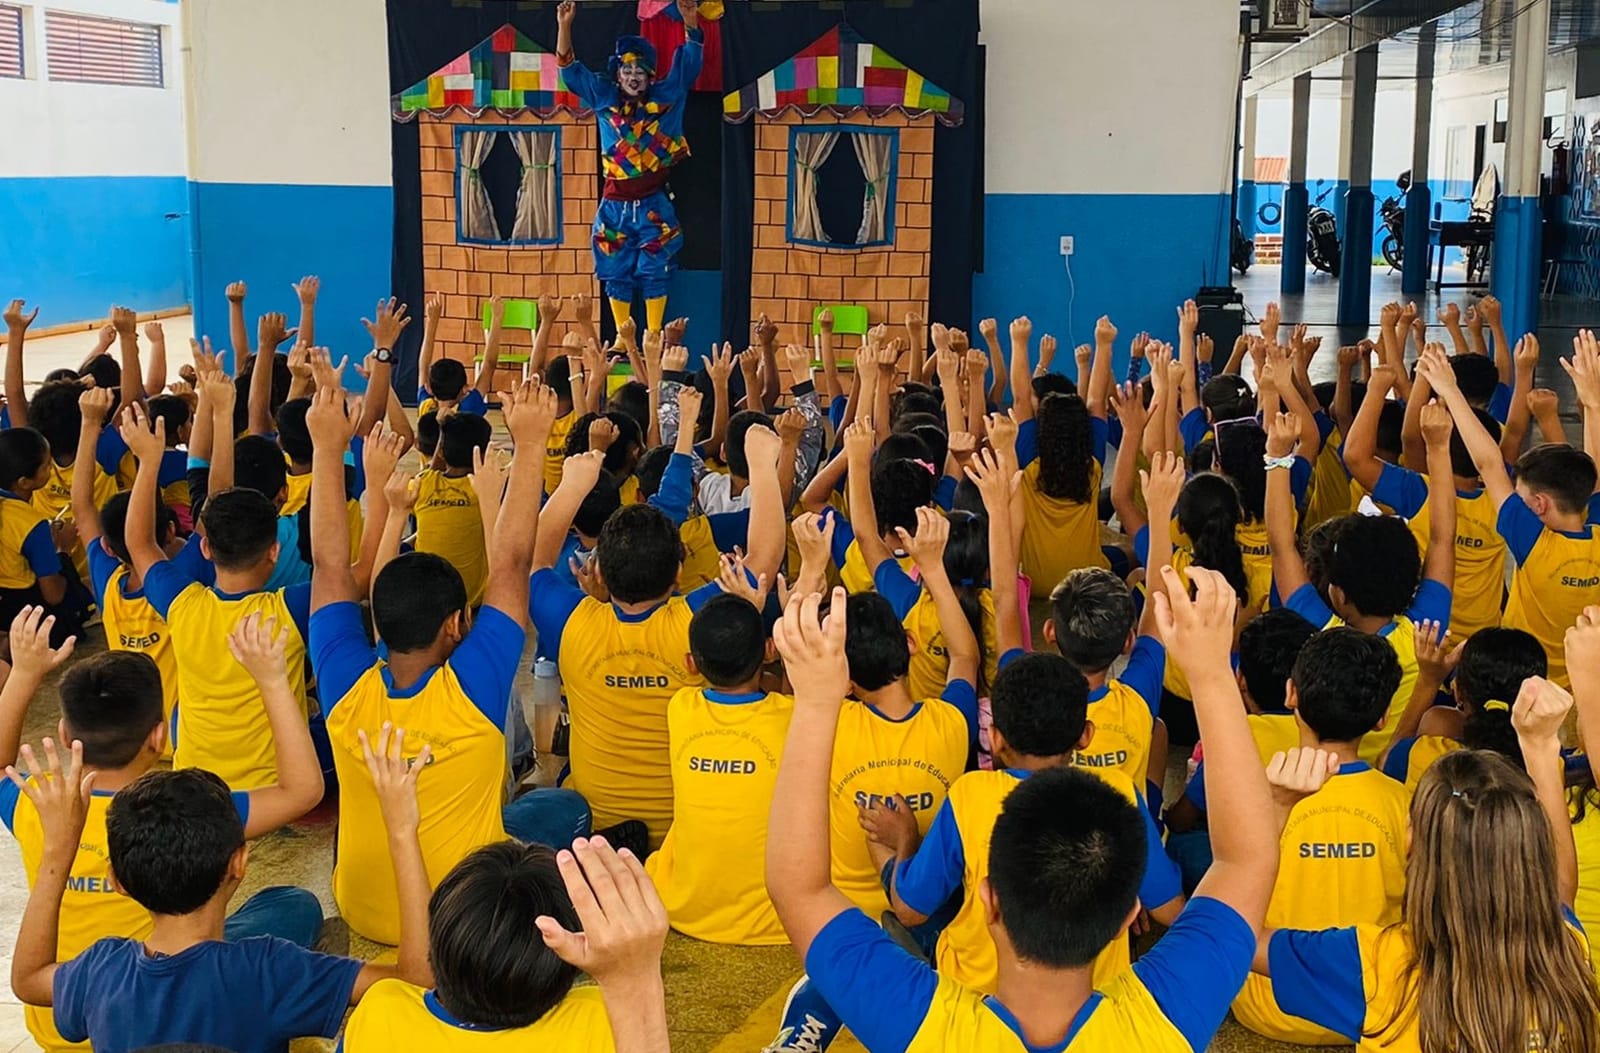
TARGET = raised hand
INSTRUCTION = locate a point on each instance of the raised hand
(329, 420)
(1198, 632)
(1436, 659)
(529, 413)
(400, 488)
(927, 545)
(1162, 483)
(719, 364)
(259, 645)
(394, 777)
(623, 925)
(272, 330)
(31, 654)
(1188, 318)
(1540, 710)
(813, 650)
(390, 320)
(136, 432)
(1436, 425)
(307, 288)
(15, 320)
(582, 471)
(1282, 434)
(734, 579)
(95, 405)
(235, 292)
(124, 321)
(60, 793)
(1299, 773)
(1105, 333)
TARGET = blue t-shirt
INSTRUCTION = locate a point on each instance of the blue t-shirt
(551, 602)
(1500, 403)
(471, 402)
(249, 997)
(883, 994)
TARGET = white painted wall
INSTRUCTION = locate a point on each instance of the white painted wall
(58, 128)
(1466, 100)
(1071, 110)
(289, 91)
(1391, 141)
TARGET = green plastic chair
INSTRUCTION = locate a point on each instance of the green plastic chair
(848, 320)
(621, 375)
(520, 314)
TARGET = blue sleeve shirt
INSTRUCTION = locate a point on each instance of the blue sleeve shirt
(39, 549)
(1146, 669)
(927, 880)
(676, 490)
(551, 602)
(896, 586)
(1520, 528)
(1401, 489)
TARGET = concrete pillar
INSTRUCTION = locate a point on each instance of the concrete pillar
(1355, 271)
(1519, 223)
(1295, 198)
(1419, 199)
(1247, 169)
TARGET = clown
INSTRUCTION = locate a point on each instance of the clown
(636, 234)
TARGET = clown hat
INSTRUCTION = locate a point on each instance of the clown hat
(632, 51)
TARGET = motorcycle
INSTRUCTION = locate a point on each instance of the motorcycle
(1393, 214)
(1243, 249)
(1322, 237)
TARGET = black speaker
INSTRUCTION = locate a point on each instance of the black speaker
(1221, 318)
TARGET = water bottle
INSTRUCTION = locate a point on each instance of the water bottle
(546, 704)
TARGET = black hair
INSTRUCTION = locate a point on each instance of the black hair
(1344, 681)
(1391, 428)
(1565, 475)
(1317, 546)
(597, 506)
(632, 400)
(1494, 663)
(1326, 392)
(174, 410)
(460, 435)
(53, 412)
(23, 451)
(621, 455)
(914, 401)
(966, 564)
(241, 526)
(428, 433)
(1202, 457)
(1040, 703)
(874, 642)
(1066, 449)
(558, 375)
(930, 429)
(1092, 612)
(447, 379)
(114, 524)
(1376, 563)
(728, 638)
(903, 446)
(282, 380)
(1268, 646)
(652, 466)
(112, 701)
(968, 498)
(899, 488)
(1065, 862)
(107, 374)
(1477, 376)
(293, 435)
(1227, 397)
(258, 465)
(62, 374)
(1461, 462)
(171, 836)
(412, 598)
(1209, 513)
(639, 554)
(491, 969)
(1053, 384)
(1240, 449)
(733, 454)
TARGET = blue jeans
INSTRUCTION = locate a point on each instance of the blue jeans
(288, 913)
(549, 816)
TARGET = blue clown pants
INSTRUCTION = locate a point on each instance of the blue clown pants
(635, 246)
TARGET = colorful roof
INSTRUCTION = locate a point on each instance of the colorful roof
(842, 71)
(507, 71)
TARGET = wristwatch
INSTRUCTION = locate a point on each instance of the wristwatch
(383, 354)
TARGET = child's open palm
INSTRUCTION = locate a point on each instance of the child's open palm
(927, 545)
(734, 579)
(623, 924)
(988, 474)
(60, 794)
(1162, 483)
(259, 645)
(1197, 632)
(394, 777)
(31, 653)
(1436, 659)
(813, 649)
(147, 445)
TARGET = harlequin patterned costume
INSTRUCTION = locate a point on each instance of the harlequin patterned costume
(636, 236)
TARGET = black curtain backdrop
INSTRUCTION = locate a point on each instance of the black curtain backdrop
(937, 38)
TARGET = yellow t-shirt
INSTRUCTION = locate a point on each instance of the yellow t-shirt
(874, 758)
(1341, 862)
(1480, 581)
(55, 498)
(555, 450)
(1058, 535)
(132, 624)
(702, 561)
(21, 537)
(395, 1017)
(1122, 711)
(459, 710)
(222, 725)
(1410, 759)
(930, 661)
(1273, 733)
(297, 491)
(711, 869)
(1586, 834)
(1556, 577)
(1329, 495)
(450, 526)
(1257, 570)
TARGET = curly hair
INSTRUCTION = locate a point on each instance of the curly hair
(1066, 449)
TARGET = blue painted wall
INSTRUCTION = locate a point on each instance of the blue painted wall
(1137, 256)
(269, 236)
(75, 245)
(1444, 191)
(697, 296)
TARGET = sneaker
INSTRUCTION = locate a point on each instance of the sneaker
(809, 1025)
(631, 834)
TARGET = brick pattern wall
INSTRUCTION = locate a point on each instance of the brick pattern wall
(788, 281)
(467, 275)
(1269, 248)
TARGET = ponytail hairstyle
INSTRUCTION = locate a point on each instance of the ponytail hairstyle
(1066, 449)
(1240, 448)
(1494, 967)
(966, 564)
(899, 488)
(1494, 663)
(1209, 513)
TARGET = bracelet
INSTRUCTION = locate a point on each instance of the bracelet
(1270, 462)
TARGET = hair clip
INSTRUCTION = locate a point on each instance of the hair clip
(1497, 706)
(925, 464)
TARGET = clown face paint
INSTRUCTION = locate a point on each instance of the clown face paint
(633, 80)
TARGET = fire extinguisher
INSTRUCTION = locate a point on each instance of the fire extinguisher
(1561, 168)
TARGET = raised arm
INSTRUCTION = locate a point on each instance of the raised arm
(433, 313)
(1439, 564)
(1105, 340)
(238, 329)
(1450, 318)
(483, 383)
(578, 476)
(1161, 484)
(155, 373)
(32, 659)
(1188, 326)
(1480, 444)
(1129, 405)
(767, 539)
(220, 395)
(16, 391)
(1021, 371)
(94, 405)
(766, 334)
(270, 333)
(331, 427)
(1524, 359)
(1343, 410)
(927, 549)
(140, 529)
(60, 792)
(858, 443)
(977, 398)
(394, 777)
(1584, 369)
(995, 485)
(126, 323)
(259, 645)
(530, 411)
(1288, 568)
(1489, 308)
(1361, 441)
(1436, 661)
(1538, 714)
(390, 321)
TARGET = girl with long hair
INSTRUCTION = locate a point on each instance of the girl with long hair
(1062, 451)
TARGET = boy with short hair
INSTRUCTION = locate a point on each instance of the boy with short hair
(112, 704)
(1544, 518)
(444, 380)
(448, 521)
(32, 560)
(1377, 581)
(1342, 853)
(177, 847)
(622, 661)
(1064, 863)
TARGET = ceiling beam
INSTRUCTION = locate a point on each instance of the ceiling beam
(1373, 21)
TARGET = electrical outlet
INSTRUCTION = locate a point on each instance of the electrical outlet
(1067, 245)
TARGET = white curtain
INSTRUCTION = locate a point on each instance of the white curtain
(811, 150)
(477, 214)
(536, 197)
(873, 152)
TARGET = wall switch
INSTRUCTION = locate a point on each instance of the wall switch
(1067, 244)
